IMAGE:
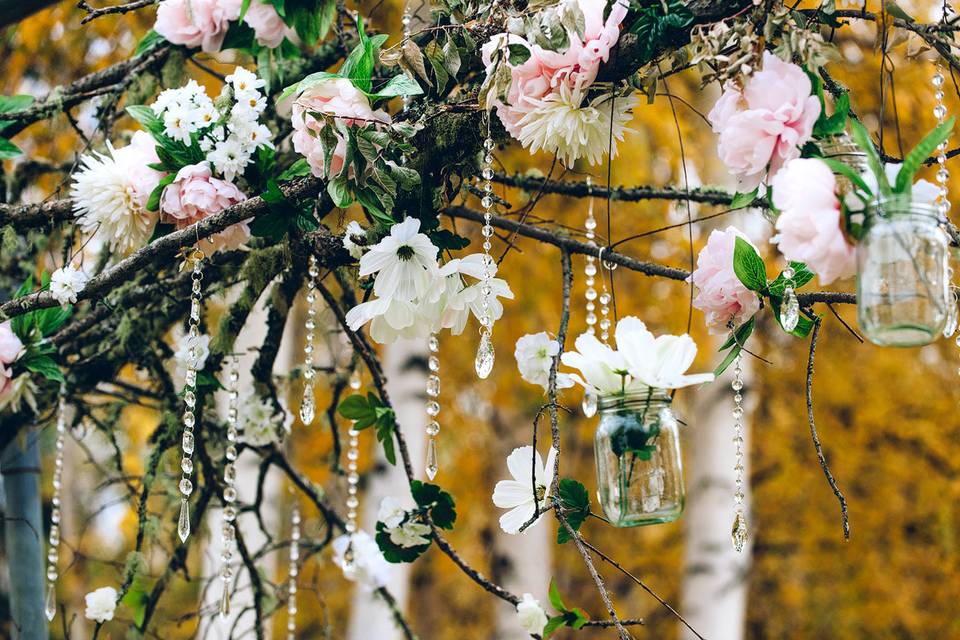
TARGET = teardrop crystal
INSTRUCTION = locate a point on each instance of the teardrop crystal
(183, 524)
(225, 602)
(50, 604)
(485, 355)
(790, 310)
(589, 404)
(432, 466)
(739, 532)
(307, 407)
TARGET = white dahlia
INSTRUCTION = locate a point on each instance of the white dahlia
(562, 124)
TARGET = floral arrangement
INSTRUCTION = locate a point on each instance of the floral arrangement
(542, 88)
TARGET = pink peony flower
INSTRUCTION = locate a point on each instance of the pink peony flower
(337, 97)
(10, 349)
(808, 228)
(195, 194)
(135, 157)
(764, 126)
(196, 23)
(267, 25)
(720, 294)
(545, 70)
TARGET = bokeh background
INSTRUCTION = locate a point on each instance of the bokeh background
(888, 418)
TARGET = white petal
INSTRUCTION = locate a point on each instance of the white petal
(518, 462)
(512, 520)
(508, 494)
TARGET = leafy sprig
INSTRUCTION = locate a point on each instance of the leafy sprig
(370, 411)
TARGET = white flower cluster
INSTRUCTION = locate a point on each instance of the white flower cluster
(230, 138)
(403, 534)
(260, 425)
(66, 282)
(415, 295)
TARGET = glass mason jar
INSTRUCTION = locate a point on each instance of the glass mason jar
(843, 149)
(902, 274)
(639, 469)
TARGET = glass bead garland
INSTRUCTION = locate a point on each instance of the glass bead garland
(590, 400)
(308, 408)
(228, 533)
(353, 480)
(190, 399)
(53, 550)
(485, 354)
(739, 531)
(943, 176)
(433, 406)
(293, 570)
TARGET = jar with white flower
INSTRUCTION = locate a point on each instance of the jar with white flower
(639, 464)
(637, 442)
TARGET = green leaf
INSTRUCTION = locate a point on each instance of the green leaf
(834, 124)
(401, 85)
(385, 426)
(748, 265)
(915, 159)
(149, 41)
(801, 276)
(207, 379)
(311, 80)
(862, 137)
(147, 118)
(12, 104)
(297, 169)
(354, 407)
(848, 172)
(434, 53)
(738, 338)
(52, 318)
(153, 202)
(440, 503)
(554, 623)
(741, 200)
(239, 36)
(9, 150)
(518, 54)
(395, 553)
(374, 207)
(446, 240)
(576, 507)
(43, 365)
(339, 192)
(359, 65)
(895, 10)
(555, 598)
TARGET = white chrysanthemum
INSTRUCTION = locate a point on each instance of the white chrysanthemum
(107, 201)
(101, 604)
(560, 123)
(66, 282)
(259, 423)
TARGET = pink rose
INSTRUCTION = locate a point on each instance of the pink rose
(195, 194)
(196, 23)
(10, 349)
(135, 157)
(337, 97)
(764, 126)
(267, 25)
(808, 228)
(530, 81)
(720, 294)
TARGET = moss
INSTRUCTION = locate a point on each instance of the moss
(11, 240)
(174, 73)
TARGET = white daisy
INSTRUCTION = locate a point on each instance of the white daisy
(405, 262)
(66, 282)
(517, 494)
(560, 123)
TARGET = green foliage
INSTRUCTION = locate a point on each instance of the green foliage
(370, 411)
(836, 123)
(395, 553)
(862, 137)
(11, 104)
(916, 157)
(748, 265)
(659, 24)
(33, 329)
(437, 502)
(735, 343)
(575, 501)
(150, 40)
(741, 200)
(801, 276)
(574, 617)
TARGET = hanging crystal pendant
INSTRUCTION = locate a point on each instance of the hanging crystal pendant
(485, 355)
(483, 363)
(189, 417)
(308, 407)
(589, 403)
(183, 523)
(50, 603)
(53, 552)
(432, 464)
(229, 512)
(293, 571)
(739, 530)
(790, 305)
(432, 429)
(353, 480)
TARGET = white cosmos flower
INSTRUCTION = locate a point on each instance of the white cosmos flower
(66, 282)
(601, 368)
(517, 494)
(101, 604)
(659, 362)
(391, 512)
(560, 123)
(365, 563)
(535, 353)
(405, 262)
(410, 534)
(531, 615)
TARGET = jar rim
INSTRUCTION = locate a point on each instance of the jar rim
(634, 397)
(901, 205)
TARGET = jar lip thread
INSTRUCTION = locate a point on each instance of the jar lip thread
(634, 397)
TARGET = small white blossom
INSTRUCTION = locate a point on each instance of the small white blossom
(243, 81)
(531, 615)
(360, 559)
(351, 234)
(228, 158)
(66, 282)
(535, 354)
(391, 512)
(192, 353)
(258, 423)
(410, 534)
(101, 604)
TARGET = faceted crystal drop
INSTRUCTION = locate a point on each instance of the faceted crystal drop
(589, 404)
(50, 604)
(432, 459)
(183, 524)
(739, 533)
(485, 356)
(790, 311)
(225, 602)
(307, 407)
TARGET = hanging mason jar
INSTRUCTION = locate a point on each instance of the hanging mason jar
(639, 468)
(842, 148)
(902, 274)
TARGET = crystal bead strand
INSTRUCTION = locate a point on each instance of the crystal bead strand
(353, 479)
(433, 405)
(485, 354)
(308, 407)
(190, 399)
(228, 533)
(294, 570)
(53, 552)
(406, 20)
(605, 301)
(589, 402)
(790, 306)
(943, 200)
(739, 531)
